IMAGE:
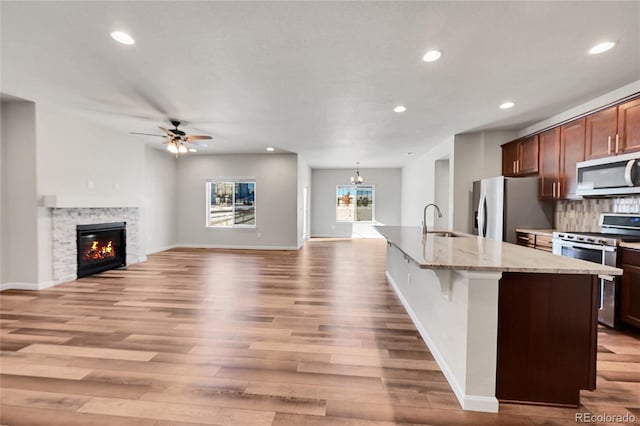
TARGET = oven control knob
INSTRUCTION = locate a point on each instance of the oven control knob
(561, 235)
(571, 237)
(591, 240)
(580, 238)
(602, 241)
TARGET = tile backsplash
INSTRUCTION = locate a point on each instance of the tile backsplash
(583, 215)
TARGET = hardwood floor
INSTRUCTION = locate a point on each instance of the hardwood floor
(314, 337)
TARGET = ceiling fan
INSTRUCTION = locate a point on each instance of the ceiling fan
(175, 139)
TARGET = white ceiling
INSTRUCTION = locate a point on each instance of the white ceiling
(318, 78)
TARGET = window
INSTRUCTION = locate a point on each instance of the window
(355, 203)
(231, 203)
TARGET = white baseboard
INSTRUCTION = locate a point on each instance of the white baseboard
(29, 286)
(235, 247)
(159, 249)
(467, 402)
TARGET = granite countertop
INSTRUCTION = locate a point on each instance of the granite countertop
(630, 245)
(471, 253)
(548, 232)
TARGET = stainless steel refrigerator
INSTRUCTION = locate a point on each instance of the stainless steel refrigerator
(502, 204)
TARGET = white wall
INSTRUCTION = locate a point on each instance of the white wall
(607, 98)
(276, 200)
(86, 159)
(477, 156)
(304, 181)
(418, 188)
(19, 199)
(471, 157)
(159, 214)
(323, 198)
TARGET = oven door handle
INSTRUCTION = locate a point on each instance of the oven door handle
(571, 244)
(607, 277)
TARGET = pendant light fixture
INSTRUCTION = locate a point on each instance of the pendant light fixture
(357, 179)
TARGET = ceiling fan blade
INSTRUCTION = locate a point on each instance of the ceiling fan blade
(146, 134)
(190, 138)
(167, 131)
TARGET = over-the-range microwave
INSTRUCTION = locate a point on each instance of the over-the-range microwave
(617, 175)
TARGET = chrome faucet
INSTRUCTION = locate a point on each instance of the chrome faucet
(424, 217)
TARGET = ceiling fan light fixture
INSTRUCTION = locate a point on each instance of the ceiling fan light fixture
(122, 37)
(172, 148)
(270, 149)
(182, 149)
(193, 150)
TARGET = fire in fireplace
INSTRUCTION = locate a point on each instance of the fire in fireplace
(101, 247)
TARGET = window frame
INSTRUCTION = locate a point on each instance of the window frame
(234, 181)
(373, 198)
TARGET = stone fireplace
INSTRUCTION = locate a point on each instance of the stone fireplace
(68, 222)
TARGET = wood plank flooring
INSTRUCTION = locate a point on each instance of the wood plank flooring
(231, 337)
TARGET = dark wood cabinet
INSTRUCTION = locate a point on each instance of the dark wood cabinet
(547, 337)
(509, 158)
(549, 167)
(527, 161)
(572, 147)
(601, 133)
(630, 288)
(628, 136)
(520, 157)
(542, 242)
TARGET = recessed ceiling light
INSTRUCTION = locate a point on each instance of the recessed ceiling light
(432, 55)
(122, 37)
(601, 47)
(400, 108)
(507, 105)
(193, 150)
(270, 149)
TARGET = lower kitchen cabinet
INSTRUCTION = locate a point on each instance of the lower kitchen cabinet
(630, 288)
(537, 241)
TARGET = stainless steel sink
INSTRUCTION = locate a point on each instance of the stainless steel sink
(445, 234)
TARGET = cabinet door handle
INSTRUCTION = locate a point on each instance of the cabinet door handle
(609, 145)
(517, 166)
(617, 143)
(554, 189)
(559, 189)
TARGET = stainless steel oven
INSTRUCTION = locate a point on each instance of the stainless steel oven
(597, 250)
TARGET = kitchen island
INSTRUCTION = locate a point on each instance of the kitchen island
(504, 322)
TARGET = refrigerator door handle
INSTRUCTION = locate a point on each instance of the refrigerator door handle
(482, 205)
(485, 220)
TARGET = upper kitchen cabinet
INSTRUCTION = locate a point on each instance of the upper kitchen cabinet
(628, 137)
(614, 131)
(509, 158)
(520, 157)
(549, 142)
(572, 151)
(601, 133)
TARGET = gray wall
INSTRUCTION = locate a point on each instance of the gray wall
(159, 215)
(323, 198)
(19, 198)
(276, 200)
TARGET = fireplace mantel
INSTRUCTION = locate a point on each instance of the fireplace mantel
(73, 202)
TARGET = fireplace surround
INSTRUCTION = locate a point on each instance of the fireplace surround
(100, 247)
